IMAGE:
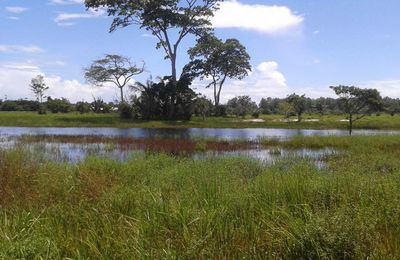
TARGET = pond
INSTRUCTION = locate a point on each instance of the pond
(75, 144)
(187, 133)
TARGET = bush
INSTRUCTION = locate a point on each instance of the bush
(59, 105)
(125, 111)
(82, 107)
(256, 114)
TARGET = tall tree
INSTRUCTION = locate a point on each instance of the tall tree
(114, 69)
(39, 87)
(170, 21)
(214, 59)
(357, 102)
(298, 103)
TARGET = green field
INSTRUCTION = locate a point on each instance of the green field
(113, 120)
(158, 206)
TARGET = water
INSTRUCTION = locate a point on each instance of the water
(220, 133)
(72, 152)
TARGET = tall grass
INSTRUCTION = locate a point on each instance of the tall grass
(159, 206)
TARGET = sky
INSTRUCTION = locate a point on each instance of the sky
(296, 47)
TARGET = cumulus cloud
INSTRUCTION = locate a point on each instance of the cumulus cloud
(15, 79)
(387, 88)
(16, 9)
(266, 80)
(268, 19)
(20, 49)
(68, 19)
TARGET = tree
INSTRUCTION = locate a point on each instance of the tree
(218, 60)
(170, 21)
(357, 102)
(241, 106)
(39, 87)
(202, 107)
(285, 108)
(165, 99)
(298, 103)
(115, 69)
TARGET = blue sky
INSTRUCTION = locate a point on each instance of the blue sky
(296, 46)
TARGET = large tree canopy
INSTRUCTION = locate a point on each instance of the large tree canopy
(168, 20)
(217, 60)
(357, 102)
(114, 69)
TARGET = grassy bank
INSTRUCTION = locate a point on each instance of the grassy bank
(158, 206)
(30, 119)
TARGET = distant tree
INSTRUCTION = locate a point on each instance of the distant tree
(170, 21)
(98, 106)
(59, 105)
(39, 87)
(82, 107)
(286, 109)
(203, 107)
(357, 102)
(214, 59)
(298, 103)
(115, 69)
(242, 106)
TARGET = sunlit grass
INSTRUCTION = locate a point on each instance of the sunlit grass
(271, 121)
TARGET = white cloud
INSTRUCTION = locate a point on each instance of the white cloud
(387, 88)
(16, 9)
(67, 19)
(13, 18)
(20, 49)
(66, 2)
(265, 81)
(268, 19)
(15, 79)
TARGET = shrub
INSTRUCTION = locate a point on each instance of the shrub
(125, 110)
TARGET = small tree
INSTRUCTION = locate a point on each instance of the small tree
(357, 102)
(39, 87)
(298, 103)
(214, 59)
(115, 69)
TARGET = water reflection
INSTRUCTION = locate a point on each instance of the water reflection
(220, 133)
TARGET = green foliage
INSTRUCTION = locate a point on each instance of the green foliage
(165, 19)
(125, 110)
(241, 106)
(166, 99)
(357, 102)
(203, 107)
(298, 103)
(114, 69)
(59, 105)
(82, 107)
(218, 60)
(39, 87)
(98, 106)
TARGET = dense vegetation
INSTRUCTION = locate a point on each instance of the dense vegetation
(158, 206)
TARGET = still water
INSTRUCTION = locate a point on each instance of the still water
(220, 133)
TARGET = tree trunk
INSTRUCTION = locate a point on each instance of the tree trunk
(122, 94)
(216, 98)
(298, 118)
(173, 67)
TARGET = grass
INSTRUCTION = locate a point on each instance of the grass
(159, 206)
(30, 119)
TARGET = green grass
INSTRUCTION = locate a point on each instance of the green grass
(30, 119)
(158, 206)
